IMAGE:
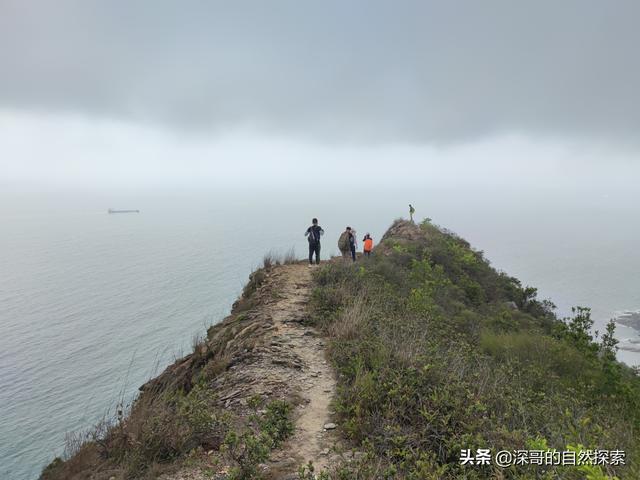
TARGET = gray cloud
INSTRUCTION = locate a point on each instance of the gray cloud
(347, 71)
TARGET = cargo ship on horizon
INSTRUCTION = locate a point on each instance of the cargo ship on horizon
(111, 210)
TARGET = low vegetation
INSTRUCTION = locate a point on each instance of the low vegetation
(163, 431)
(437, 352)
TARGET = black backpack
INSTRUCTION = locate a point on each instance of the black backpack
(312, 238)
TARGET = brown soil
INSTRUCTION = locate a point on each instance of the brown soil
(272, 353)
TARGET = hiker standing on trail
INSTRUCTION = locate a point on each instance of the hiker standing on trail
(344, 243)
(411, 212)
(368, 244)
(313, 234)
(353, 244)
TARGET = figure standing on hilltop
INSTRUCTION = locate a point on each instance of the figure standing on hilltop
(368, 244)
(313, 234)
(411, 212)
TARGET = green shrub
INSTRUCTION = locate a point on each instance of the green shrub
(249, 446)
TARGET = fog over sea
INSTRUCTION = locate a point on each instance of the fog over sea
(93, 304)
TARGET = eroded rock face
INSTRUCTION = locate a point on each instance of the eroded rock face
(404, 230)
(264, 348)
(402, 233)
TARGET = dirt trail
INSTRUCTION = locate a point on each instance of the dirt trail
(276, 356)
(316, 382)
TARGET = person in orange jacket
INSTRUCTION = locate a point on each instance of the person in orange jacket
(367, 241)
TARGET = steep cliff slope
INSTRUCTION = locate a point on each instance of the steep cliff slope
(253, 398)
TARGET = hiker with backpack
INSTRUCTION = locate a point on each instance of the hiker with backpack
(313, 234)
(343, 243)
(411, 212)
(347, 243)
(368, 245)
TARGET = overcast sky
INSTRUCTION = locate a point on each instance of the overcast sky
(127, 92)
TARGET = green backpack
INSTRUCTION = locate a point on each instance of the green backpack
(343, 242)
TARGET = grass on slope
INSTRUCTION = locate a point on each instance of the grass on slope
(437, 352)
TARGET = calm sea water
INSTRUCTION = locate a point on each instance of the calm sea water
(92, 304)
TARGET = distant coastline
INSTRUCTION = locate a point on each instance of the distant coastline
(629, 319)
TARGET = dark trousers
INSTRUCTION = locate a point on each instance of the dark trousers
(353, 252)
(314, 248)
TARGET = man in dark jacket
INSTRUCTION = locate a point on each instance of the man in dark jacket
(353, 243)
(313, 234)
